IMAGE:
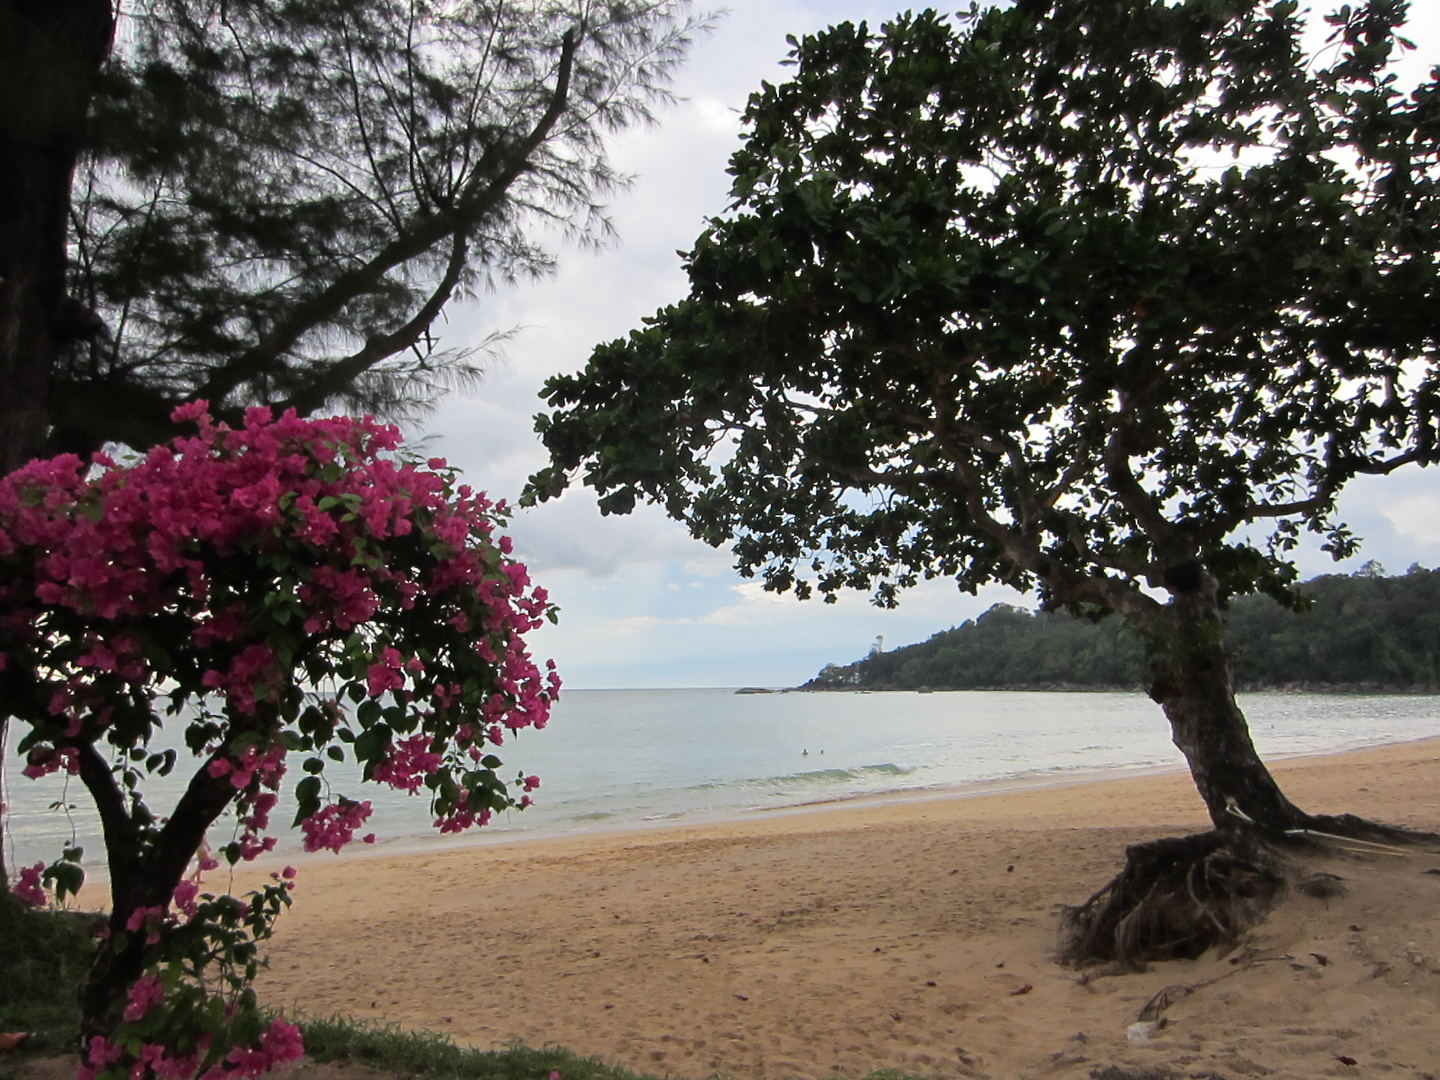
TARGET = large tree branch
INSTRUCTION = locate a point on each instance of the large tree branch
(1075, 533)
(205, 799)
(1136, 500)
(499, 167)
(1328, 490)
(1323, 496)
(339, 374)
(115, 823)
(1065, 586)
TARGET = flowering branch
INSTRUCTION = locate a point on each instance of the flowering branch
(224, 579)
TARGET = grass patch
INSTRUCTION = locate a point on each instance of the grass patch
(42, 962)
(390, 1049)
(415, 1053)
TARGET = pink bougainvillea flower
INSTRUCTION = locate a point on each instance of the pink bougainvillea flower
(29, 888)
(222, 578)
(145, 993)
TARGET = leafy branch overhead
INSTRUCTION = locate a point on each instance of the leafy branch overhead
(1060, 295)
(1107, 300)
(279, 201)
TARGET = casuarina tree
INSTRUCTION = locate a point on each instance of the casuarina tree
(273, 203)
(287, 589)
(260, 203)
(1103, 300)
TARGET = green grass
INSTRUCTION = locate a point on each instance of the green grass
(42, 961)
(435, 1057)
(432, 1055)
(44, 955)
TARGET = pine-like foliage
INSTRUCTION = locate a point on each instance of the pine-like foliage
(279, 199)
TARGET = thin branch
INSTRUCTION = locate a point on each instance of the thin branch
(478, 200)
(379, 346)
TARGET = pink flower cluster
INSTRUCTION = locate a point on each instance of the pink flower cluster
(184, 898)
(279, 1044)
(148, 919)
(462, 818)
(316, 500)
(44, 760)
(30, 888)
(410, 761)
(136, 541)
(145, 993)
(334, 825)
(268, 766)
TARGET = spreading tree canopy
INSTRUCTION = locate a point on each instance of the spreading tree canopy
(273, 203)
(1106, 300)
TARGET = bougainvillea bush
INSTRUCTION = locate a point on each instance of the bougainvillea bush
(293, 590)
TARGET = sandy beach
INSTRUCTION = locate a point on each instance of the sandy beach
(911, 933)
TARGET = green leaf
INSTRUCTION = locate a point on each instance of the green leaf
(307, 799)
(368, 712)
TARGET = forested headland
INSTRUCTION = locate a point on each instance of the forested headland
(1364, 631)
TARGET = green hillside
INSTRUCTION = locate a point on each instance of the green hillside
(1363, 631)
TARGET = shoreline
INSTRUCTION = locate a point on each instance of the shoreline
(801, 817)
(1325, 689)
(738, 818)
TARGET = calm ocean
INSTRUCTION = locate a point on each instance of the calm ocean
(623, 758)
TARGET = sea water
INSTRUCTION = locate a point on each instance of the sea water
(629, 758)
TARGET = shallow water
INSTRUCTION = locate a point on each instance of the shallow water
(620, 758)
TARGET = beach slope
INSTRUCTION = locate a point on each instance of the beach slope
(914, 933)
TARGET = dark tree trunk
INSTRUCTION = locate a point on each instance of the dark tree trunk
(50, 51)
(1194, 685)
(139, 877)
(1178, 896)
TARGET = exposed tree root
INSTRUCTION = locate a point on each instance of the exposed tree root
(1175, 898)
(1354, 827)
(1178, 896)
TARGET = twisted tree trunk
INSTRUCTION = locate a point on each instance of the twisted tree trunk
(142, 875)
(1194, 685)
(1178, 896)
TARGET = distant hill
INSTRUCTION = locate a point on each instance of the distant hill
(1363, 632)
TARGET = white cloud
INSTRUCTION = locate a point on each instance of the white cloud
(571, 534)
(756, 606)
(1416, 517)
(716, 561)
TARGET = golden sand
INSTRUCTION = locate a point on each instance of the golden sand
(913, 933)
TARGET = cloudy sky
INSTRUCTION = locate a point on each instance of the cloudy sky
(642, 604)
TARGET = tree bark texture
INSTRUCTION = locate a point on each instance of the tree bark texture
(1194, 684)
(50, 51)
(49, 55)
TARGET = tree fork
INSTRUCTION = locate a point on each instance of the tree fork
(147, 881)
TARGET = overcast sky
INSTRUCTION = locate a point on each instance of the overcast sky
(643, 605)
